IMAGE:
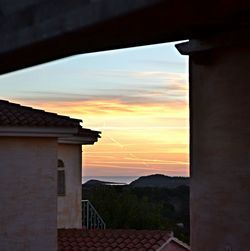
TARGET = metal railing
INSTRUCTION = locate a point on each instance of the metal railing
(90, 217)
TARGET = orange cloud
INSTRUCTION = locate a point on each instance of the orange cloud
(137, 138)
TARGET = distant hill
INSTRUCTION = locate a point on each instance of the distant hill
(160, 180)
(96, 183)
(155, 180)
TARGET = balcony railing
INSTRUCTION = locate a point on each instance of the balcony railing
(90, 217)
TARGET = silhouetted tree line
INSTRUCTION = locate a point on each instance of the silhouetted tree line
(124, 207)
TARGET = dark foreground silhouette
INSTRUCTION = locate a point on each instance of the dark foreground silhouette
(131, 207)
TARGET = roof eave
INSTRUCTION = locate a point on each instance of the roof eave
(67, 135)
(78, 140)
(36, 131)
(84, 137)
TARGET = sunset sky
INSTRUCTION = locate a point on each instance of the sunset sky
(137, 97)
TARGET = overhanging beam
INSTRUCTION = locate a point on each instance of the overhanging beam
(37, 31)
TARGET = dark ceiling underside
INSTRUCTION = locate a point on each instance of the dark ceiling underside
(164, 21)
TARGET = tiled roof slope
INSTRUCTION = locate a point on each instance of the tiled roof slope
(12, 115)
(113, 240)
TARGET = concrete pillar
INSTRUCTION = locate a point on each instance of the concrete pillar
(220, 142)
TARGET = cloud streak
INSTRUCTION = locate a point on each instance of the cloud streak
(140, 87)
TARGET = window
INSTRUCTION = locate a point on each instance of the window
(61, 190)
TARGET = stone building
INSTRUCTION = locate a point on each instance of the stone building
(40, 181)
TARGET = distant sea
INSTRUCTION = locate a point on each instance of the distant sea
(118, 179)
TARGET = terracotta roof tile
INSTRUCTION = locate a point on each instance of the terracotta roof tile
(15, 115)
(111, 239)
(12, 114)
